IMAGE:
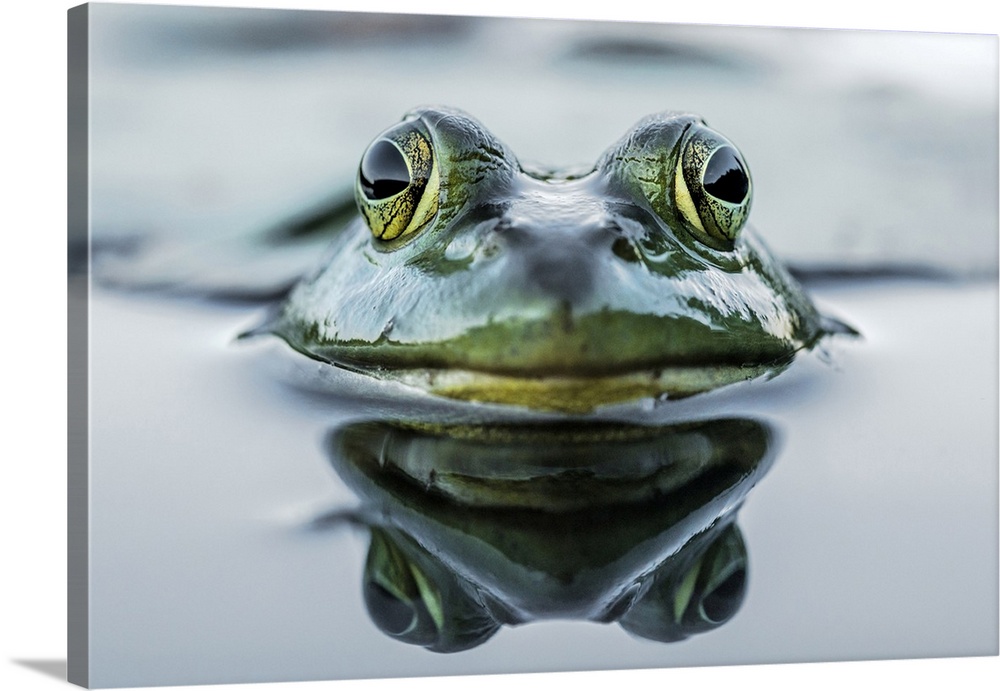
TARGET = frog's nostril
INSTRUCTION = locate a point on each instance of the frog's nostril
(625, 249)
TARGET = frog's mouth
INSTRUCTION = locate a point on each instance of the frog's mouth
(575, 394)
(600, 360)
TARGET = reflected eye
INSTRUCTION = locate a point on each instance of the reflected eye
(720, 602)
(694, 595)
(712, 187)
(713, 589)
(391, 613)
(397, 186)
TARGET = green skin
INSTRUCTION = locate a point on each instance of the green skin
(552, 291)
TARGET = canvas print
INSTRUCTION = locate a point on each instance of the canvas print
(409, 345)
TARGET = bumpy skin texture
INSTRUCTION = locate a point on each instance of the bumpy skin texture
(553, 291)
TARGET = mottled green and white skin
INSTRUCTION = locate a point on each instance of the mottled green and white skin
(473, 278)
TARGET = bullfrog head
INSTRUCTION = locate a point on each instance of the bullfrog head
(473, 277)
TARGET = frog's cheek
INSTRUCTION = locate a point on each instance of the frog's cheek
(398, 183)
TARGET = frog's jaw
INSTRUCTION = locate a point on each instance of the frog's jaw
(577, 395)
(570, 365)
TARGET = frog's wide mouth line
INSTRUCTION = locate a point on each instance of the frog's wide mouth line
(558, 392)
(574, 394)
(579, 390)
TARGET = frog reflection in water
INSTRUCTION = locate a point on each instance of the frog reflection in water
(473, 278)
(474, 527)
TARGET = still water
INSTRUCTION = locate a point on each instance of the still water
(241, 519)
(217, 555)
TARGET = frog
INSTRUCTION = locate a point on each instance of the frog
(477, 278)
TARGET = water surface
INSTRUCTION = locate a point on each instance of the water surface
(872, 535)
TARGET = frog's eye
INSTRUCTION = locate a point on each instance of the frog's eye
(397, 186)
(413, 598)
(712, 188)
(702, 595)
(400, 600)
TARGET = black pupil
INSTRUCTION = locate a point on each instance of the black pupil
(725, 178)
(720, 604)
(391, 614)
(383, 171)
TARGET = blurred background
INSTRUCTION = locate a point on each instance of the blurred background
(868, 149)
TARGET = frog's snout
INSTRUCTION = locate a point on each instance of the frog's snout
(559, 260)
